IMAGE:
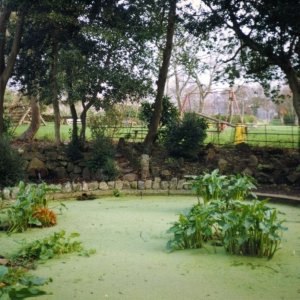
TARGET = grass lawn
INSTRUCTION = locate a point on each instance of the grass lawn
(261, 135)
(46, 133)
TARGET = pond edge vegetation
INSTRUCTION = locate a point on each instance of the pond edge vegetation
(223, 218)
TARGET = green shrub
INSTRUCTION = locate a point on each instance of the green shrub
(170, 113)
(11, 164)
(289, 119)
(74, 150)
(102, 157)
(250, 119)
(185, 138)
(102, 150)
(109, 170)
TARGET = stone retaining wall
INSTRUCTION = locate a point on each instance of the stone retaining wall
(52, 162)
(73, 189)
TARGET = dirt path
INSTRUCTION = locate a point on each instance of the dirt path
(129, 235)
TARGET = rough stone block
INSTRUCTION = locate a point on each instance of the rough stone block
(173, 184)
(85, 186)
(77, 170)
(61, 173)
(54, 188)
(148, 184)
(126, 185)
(70, 167)
(93, 186)
(77, 187)
(6, 193)
(156, 183)
(67, 187)
(111, 185)
(164, 185)
(141, 185)
(130, 177)
(180, 184)
(134, 185)
(103, 186)
(86, 174)
(52, 155)
(119, 185)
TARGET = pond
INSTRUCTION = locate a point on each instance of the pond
(131, 261)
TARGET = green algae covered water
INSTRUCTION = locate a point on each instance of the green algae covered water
(131, 261)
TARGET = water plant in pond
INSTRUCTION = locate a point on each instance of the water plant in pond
(195, 228)
(242, 228)
(16, 283)
(214, 186)
(26, 211)
(117, 193)
(47, 248)
(251, 229)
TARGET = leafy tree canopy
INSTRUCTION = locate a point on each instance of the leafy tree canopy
(269, 36)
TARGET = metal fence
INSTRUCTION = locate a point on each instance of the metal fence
(257, 135)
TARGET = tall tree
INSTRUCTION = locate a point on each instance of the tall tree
(109, 61)
(269, 34)
(11, 25)
(162, 77)
(49, 26)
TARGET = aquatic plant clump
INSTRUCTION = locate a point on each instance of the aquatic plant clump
(15, 283)
(30, 208)
(251, 229)
(242, 228)
(214, 186)
(193, 229)
(47, 248)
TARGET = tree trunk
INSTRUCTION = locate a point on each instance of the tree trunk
(7, 69)
(294, 84)
(163, 72)
(177, 86)
(2, 92)
(83, 119)
(54, 91)
(74, 125)
(71, 101)
(201, 103)
(35, 123)
(83, 126)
